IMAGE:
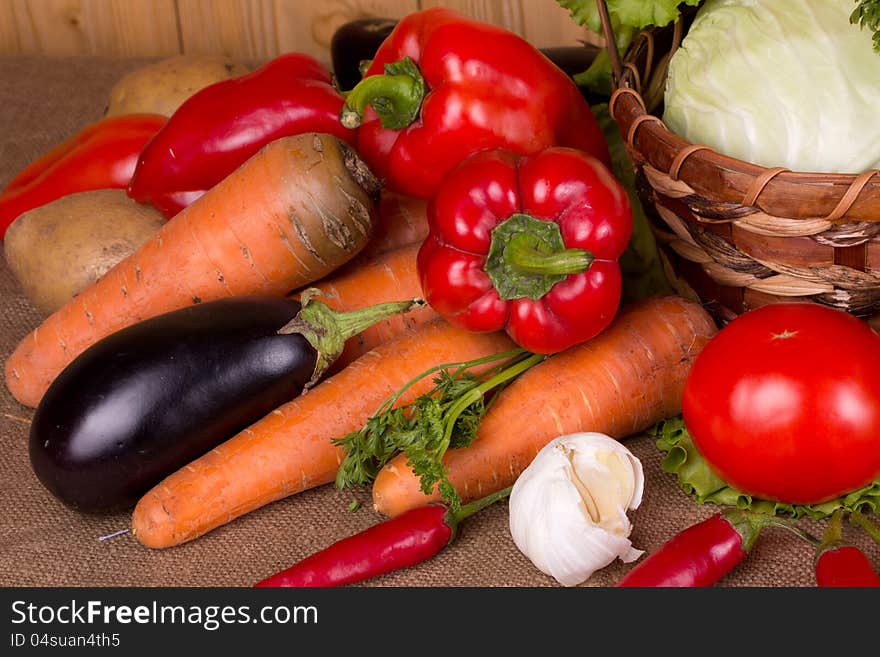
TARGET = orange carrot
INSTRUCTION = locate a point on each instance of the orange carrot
(621, 382)
(402, 221)
(291, 449)
(385, 278)
(296, 211)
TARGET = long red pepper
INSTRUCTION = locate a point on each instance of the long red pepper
(218, 128)
(700, 555)
(399, 542)
(839, 564)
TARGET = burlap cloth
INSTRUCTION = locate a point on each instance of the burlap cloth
(43, 543)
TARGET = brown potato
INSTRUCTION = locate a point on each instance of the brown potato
(161, 88)
(58, 249)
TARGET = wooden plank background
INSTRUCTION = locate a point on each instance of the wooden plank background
(245, 29)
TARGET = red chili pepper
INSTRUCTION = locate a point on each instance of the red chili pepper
(527, 244)
(839, 564)
(102, 155)
(214, 131)
(700, 555)
(399, 542)
(442, 86)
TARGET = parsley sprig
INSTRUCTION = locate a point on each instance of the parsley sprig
(445, 417)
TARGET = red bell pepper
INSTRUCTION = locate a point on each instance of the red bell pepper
(442, 86)
(214, 131)
(101, 156)
(527, 244)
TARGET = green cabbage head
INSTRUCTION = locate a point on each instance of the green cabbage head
(787, 83)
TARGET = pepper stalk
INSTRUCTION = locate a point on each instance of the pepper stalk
(396, 96)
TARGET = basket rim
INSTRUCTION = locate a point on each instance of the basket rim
(842, 196)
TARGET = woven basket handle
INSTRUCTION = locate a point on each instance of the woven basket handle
(610, 42)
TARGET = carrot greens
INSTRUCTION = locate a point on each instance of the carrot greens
(447, 416)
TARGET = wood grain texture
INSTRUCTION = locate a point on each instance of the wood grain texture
(542, 22)
(253, 30)
(261, 29)
(115, 28)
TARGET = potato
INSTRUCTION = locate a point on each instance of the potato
(161, 88)
(58, 249)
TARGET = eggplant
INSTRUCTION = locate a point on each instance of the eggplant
(145, 401)
(354, 42)
(358, 40)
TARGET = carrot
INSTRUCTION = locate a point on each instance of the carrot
(402, 221)
(294, 212)
(385, 278)
(292, 449)
(621, 382)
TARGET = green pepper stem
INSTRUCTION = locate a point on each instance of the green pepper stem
(797, 531)
(396, 95)
(453, 518)
(862, 521)
(327, 330)
(749, 525)
(525, 258)
(834, 530)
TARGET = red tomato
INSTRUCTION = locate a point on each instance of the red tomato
(784, 403)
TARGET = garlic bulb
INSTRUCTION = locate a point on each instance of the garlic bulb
(568, 508)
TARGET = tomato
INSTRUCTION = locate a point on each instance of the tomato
(784, 403)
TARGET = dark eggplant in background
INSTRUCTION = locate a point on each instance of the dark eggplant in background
(145, 401)
(358, 40)
(354, 42)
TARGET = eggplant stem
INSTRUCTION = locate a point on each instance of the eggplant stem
(327, 330)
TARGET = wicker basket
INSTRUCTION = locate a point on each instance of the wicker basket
(733, 234)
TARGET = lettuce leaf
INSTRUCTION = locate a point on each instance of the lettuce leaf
(637, 14)
(628, 17)
(640, 264)
(696, 479)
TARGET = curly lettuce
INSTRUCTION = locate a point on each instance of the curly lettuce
(697, 479)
